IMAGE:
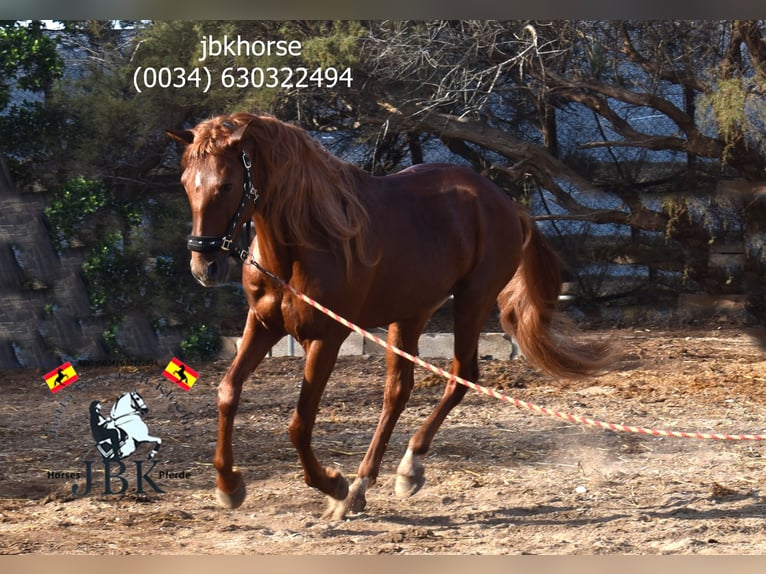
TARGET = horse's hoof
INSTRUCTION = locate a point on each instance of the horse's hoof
(341, 484)
(355, 501)
(336, 509)
(410, 475)
(233, 499)
(408, 485)
(358, 503)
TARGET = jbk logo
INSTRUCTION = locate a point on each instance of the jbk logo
(116, 472)
(117, 436)
(120, 439)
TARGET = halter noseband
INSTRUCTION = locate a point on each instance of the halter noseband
(203, 243)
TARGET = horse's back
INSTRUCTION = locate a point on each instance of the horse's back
(450, 209)
(435, 225)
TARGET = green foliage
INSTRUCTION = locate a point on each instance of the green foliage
(676, 208)
(106, 274)
(178, 43)
(110, 337)
(738, 114)
(70, 206)
(101, 109)
(334, 44)
(727, 105)
(29, 66)
(202, 343)
(28, 58)
(29, 133)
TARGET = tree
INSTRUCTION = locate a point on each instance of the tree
(28, 59)
(615, 133)
(627, 124)
(29, 66)
(112, 173)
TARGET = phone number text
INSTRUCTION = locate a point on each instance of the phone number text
(203, 79)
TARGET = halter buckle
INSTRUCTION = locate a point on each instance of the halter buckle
(246, 160)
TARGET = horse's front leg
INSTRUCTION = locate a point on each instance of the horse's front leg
(320, 360)
(257, 340)
(399, 383)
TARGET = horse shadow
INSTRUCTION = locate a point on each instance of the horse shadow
(563, 515)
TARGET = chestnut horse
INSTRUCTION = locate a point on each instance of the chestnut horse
(376, 250)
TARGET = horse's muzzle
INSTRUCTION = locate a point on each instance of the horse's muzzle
(210, 270)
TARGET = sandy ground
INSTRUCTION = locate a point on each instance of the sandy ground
(499, 479)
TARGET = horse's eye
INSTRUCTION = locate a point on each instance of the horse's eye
(226, 188)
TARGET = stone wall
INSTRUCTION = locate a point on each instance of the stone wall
(45, 315)
(44, 301)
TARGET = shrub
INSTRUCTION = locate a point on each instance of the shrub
(202, 343)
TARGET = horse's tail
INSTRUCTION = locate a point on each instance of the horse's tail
(528, 312)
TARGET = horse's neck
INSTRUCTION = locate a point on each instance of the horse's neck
(267, 250)
(119, 409)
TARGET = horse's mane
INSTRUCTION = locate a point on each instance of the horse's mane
(307, 195)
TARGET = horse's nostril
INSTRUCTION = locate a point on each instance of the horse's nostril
(212, 269)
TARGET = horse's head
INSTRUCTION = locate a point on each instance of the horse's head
(137, 403)
(216, 177)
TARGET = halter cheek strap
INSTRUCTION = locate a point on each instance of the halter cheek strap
(204, 243)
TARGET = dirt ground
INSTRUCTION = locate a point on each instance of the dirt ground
(499, 480)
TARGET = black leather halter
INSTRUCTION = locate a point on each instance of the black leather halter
(204, 243)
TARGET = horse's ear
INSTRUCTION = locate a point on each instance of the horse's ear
(237, 134)
(184, 136)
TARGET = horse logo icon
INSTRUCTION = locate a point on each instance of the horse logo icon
(61, 377)
(118, 435)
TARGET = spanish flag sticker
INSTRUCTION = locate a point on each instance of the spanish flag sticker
(61, 377)
(181, 374)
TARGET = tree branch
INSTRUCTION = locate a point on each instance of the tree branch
(655, 70)
(549, 172)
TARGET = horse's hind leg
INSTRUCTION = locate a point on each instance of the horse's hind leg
(410, 474)
(256, 342)
(399, 382)
(470, 312)
(157, 444)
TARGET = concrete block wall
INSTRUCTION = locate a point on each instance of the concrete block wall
(430, 345)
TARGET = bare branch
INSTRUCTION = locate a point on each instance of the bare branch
(652, 67)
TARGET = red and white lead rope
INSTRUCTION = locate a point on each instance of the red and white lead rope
(498, 395)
